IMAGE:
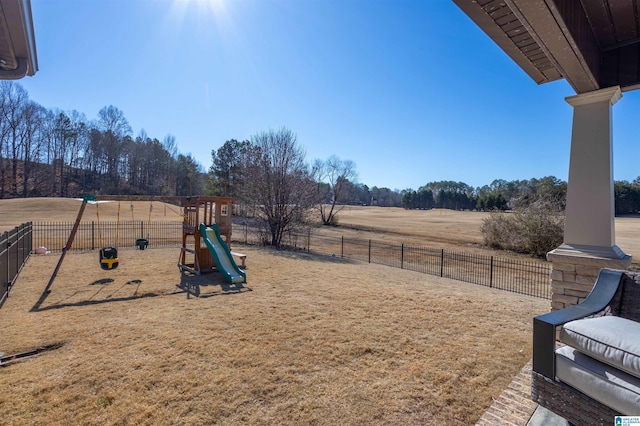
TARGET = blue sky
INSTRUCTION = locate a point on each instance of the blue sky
(410, 90)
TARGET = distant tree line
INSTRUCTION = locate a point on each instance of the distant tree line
(510, 195)
(500, 195)
(627, 196)
(50, 152)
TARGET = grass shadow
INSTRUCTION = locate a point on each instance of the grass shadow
(300, 254)
(37, 307)
(100, 291)
(102, 281)
(92, 298)
(137, 283)
(201, 285)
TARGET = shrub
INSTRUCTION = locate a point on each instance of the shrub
(536, 229)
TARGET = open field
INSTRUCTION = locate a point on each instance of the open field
(15, 211)
(437, 227)
(448, 228)
(309, 340)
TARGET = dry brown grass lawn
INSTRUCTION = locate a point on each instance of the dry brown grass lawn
(309, 340)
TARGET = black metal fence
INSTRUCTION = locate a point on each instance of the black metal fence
(15, 247)
(529, 277)
(91, 235)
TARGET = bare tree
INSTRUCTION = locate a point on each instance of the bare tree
(15, 99)
(60, 137)
(170, 146)
(4, 135)
(158, 168)
(30, 138)
(114, 127)
(80, 139)
(280, 181)
(169, 143)
(337, 174)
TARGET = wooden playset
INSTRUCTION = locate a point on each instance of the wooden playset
(195, 257)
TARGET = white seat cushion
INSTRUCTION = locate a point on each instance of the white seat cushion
(600, 381)
(612, 340)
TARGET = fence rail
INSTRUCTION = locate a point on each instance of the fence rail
(15, 248)
(522, 276)
(91, 235)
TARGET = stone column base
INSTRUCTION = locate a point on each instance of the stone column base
(575, 269)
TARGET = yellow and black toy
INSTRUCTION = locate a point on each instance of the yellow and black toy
(109, 258)
(108, 254)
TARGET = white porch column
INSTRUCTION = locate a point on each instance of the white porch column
(590, 208)
(589, 232)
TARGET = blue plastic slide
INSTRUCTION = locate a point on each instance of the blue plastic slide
(221, 254)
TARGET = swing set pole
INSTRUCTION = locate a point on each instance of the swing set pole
(70, 240)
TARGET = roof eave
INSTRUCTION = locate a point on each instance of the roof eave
(29, 37)
(561, 55)
(19, 25)
(577, 60)
(477, 14)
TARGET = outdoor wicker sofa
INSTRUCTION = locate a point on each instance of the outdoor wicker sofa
(593, 373)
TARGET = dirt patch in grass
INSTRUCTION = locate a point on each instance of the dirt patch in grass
(309, 340)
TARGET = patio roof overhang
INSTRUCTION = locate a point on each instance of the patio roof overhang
(17, 40)
(593, 44)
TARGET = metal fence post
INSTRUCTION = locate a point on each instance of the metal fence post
(30, 240)
(93, 235)
(402, 256)
(491, 274)
(442, 263)
(342, 246)
(369, 251)
(4, 267)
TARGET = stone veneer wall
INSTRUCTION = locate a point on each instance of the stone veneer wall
(573, 277)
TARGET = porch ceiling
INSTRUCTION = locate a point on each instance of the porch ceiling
(593, 44)
(17, 40)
